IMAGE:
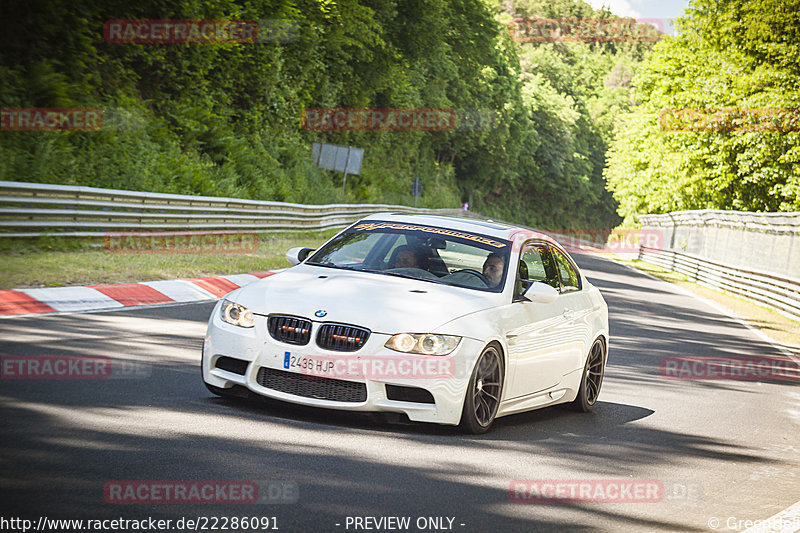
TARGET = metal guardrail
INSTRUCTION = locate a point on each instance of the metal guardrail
(758, 241)
(777, 291)
(35, 209)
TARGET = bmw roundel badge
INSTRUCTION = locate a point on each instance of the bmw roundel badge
(321, 313)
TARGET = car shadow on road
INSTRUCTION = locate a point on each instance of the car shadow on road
(57, 459)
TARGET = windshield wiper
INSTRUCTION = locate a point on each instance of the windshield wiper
(331, 265)
(406, 276)
(384, 272)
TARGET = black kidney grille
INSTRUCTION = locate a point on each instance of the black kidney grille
(335, 390)
(341, 338)
(289, 329)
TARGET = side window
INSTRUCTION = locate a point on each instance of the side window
(535, 264)
(533, 269)
(550, 268)
(570, 281)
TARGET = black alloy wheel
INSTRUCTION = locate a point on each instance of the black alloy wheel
(483, 393)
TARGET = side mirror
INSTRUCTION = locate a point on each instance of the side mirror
(295, 256)
(541, 293)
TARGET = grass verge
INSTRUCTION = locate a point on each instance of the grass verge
(776, 326)
(65, 262)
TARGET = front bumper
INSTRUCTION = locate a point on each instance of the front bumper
(264, 360)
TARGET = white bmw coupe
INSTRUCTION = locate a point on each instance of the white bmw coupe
(446, 320)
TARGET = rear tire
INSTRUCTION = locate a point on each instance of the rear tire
(483, 392)
(592, 378)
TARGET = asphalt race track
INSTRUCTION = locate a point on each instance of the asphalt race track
(720, 448)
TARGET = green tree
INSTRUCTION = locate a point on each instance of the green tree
(728, 56)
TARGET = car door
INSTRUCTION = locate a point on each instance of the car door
(575, 305)
(535, 332)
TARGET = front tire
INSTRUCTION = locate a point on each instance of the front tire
(592, 378)
(483, 392)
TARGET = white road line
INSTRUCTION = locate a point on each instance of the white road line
(65, 299)
(180, 290)
(787, 521)
(241, 279)
(106, 310)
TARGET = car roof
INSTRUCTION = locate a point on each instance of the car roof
(487, 227)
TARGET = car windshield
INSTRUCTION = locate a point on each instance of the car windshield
(428, 253)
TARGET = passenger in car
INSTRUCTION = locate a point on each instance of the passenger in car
(408, 256)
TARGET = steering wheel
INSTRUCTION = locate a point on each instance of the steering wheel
(475, 273)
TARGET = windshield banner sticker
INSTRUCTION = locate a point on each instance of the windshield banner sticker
(372, 226)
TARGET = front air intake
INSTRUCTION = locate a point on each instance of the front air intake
(408, 394)
(231, 364)
(334, 390)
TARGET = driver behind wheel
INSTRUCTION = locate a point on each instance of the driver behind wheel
(493, 268)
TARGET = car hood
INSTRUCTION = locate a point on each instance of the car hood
(381, 303)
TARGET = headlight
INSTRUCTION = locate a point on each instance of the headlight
(423, 343)
(236, 314)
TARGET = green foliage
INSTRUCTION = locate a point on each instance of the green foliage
(224, 118)
(729, 55)
(571, 94)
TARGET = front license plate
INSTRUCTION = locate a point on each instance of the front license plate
(307, 365)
